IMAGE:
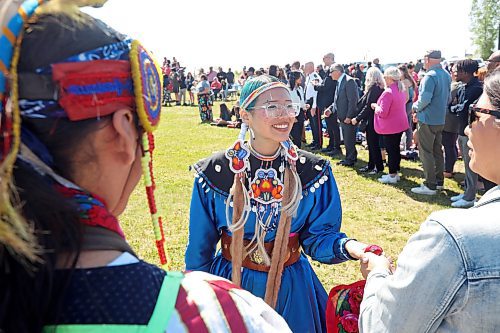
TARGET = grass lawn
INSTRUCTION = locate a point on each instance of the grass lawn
(372, 212)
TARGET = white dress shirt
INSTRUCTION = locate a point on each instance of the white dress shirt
(310, 92)
(298, 96)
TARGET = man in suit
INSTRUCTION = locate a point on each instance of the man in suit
(344, 108)
(325, 97)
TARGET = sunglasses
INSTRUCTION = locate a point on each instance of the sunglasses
(474, 110)
(278, 110)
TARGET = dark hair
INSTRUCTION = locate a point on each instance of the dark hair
(296, 64)
(224, 112)
(273, 70)
(27, 293)
(203, 77)
(294, 75)
(468, 66)
(492, 88)
(28, 296)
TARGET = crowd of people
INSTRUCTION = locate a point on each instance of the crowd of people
(78, 131)
(340, 101)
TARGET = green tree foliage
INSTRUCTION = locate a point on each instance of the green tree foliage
(485, 20)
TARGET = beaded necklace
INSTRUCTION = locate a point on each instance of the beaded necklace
(265, 184)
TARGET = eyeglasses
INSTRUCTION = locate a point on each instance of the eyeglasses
(474, 110)
(279, 110)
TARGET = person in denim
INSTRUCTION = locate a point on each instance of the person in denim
(431, 106)
(448, 275)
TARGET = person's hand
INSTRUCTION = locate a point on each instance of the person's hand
(308, 106)
(356, 249)
(414, 118)
(328, 112)
(373, 106)
(354, 121)
(313, 112)
(371, 261)
(347, 121)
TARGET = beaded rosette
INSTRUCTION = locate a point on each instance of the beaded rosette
(265, 184)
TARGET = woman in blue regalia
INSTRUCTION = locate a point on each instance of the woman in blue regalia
(269, 205)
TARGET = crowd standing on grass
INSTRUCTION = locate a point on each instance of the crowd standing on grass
(412, 110)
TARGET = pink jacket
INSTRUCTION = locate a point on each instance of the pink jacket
(390, 113)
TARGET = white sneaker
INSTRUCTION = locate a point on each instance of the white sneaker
(457, 197)
(397, 176)
(422, 189)
(383, 176)
(463, 203)
(388, 179)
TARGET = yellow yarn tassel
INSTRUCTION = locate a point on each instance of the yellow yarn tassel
(15, 232)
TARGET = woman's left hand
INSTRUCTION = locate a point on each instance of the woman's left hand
(373, 105)
(356, 249)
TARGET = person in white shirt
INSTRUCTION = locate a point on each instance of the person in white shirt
(312, 78)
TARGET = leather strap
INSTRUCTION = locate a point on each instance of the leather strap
(253, 260)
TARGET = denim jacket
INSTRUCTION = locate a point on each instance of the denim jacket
(434, 96)
(448, 276)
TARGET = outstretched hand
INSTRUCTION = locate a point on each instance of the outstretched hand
(370, 261)
(356, 249)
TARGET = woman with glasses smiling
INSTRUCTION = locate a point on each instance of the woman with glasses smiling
(270, 205)
(448, 276)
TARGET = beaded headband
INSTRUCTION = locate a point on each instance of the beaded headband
(257, 92)
(125, 75)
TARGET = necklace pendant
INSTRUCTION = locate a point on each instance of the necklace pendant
(266, 187)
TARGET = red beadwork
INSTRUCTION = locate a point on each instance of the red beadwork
(160, 244)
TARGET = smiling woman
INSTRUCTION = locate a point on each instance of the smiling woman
(265, 200)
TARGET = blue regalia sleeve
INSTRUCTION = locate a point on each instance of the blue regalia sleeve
(203, 232)
(321, 237)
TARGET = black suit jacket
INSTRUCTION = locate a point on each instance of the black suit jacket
(364, 104)
(326, 92)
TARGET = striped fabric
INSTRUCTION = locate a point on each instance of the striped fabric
(208, 303)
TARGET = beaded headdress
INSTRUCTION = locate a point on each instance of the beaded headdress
(91, 84)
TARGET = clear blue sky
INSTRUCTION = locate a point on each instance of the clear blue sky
(263, 32)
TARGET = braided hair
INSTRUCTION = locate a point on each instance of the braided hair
(468, 66)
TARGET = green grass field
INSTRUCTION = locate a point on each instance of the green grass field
(372, 212)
